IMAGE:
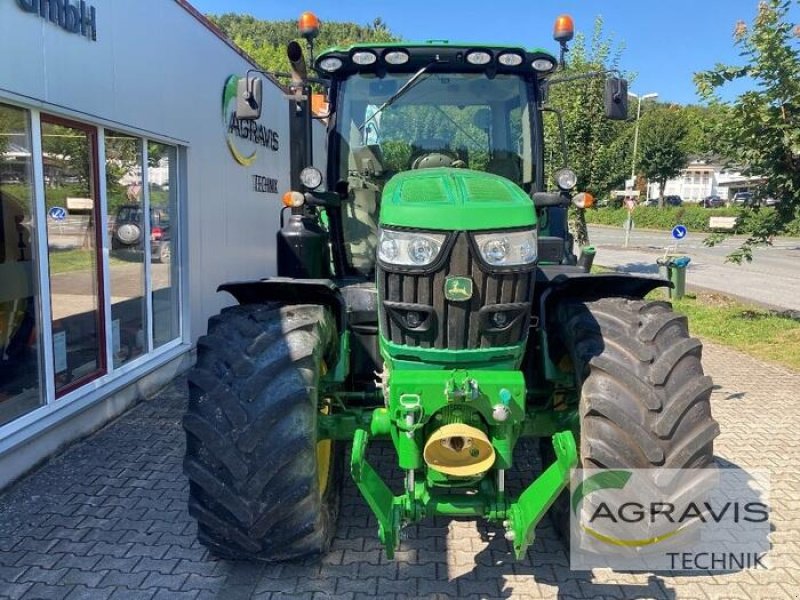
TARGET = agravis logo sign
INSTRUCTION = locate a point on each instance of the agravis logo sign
(244, 138)
(667, 519)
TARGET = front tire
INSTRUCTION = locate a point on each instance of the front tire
(261, 486)
(645, 401)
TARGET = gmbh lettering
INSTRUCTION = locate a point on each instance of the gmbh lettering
(78, 18)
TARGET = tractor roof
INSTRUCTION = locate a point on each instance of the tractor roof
(446, 56)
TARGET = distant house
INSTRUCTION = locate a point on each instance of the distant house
(706, 176)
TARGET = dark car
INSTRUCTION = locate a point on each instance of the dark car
(126, 232)
(712, 202)
(743, 199)
(668, 201)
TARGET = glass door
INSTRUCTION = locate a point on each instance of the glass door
(74, 230)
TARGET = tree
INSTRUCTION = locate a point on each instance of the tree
(663, 132)
(597, 147)
(266, 41)
(762, 131)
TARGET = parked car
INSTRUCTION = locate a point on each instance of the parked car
(742, 199)
(712, 202)
(126, 232)
(668, 201)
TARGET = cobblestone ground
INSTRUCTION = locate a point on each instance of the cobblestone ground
(107, 519)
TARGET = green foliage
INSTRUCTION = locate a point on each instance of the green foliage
(762, 130)
(597, 148)
(701, 122)
(266, 41)
(663, 133)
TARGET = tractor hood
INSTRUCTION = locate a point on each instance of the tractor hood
(455, 200)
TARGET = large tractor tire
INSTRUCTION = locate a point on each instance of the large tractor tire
(644, 401)
(261, 485)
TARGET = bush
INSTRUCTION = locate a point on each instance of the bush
(695, 218)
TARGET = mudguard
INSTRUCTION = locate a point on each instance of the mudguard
(293, 291)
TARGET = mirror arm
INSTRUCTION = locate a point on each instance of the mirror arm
(588, 75)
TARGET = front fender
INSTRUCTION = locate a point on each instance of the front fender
(561, 282)
(290, 291)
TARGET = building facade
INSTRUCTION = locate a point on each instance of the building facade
(128, 193)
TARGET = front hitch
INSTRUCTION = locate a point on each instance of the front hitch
(538, 497)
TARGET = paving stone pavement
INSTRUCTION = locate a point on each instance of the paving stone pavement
(107, 519)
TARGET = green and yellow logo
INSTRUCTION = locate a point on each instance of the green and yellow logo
(606, 481)
(241, 135)
(458, 289)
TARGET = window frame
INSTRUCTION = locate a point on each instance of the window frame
(91, 132)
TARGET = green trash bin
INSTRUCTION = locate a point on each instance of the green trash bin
(674, 269)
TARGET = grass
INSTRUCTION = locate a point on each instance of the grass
(759, 332)
(756, 331)
(64, 261)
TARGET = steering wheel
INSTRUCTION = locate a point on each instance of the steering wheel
(439, 158)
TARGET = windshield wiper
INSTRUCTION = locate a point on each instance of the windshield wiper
(415, 78)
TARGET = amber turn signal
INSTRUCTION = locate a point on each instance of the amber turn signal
(583, 200)
(293, 199)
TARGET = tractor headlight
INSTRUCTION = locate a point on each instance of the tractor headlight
(507, 248)
(566, 179)
(311, 177)
(330, 64)
(409, 248)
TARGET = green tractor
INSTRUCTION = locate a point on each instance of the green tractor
(428, 294)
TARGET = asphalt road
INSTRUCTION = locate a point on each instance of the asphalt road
(772, 279)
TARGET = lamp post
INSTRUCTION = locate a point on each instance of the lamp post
(636, 130)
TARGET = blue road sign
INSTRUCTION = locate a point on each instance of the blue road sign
(57, 213)
(679, 232)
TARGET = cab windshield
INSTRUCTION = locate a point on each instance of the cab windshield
(460, 120)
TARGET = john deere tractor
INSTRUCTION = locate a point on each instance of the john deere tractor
(429, 294)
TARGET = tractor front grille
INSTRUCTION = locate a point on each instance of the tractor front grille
(414, 310)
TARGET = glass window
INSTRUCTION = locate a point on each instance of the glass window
(20, 363)
(453, 119)
(70, 177)
(127, 242)
(162, 177)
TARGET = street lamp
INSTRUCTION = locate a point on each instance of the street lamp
(636, 130)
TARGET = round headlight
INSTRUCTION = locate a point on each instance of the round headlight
(311, 178)
(479, 57)
(388, 249)
(364, 58)
(422, 251)
(396, 57)
(510, 59)
(566, 179)
(495, 251)
(330, 64)
(542, 64)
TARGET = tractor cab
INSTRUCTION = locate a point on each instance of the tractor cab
(435, 105)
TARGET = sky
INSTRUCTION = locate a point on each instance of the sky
(665, 41)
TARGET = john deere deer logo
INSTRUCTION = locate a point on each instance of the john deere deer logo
(458, 289)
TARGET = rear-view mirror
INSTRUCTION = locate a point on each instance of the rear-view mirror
(616, 99)
(248, 98)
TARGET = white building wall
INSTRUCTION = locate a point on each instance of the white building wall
(156, 70)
